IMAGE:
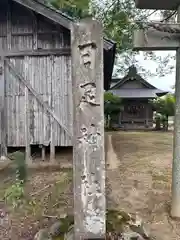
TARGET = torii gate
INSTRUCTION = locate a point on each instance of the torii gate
(165, 37)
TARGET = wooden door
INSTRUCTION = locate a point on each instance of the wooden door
(33, 113)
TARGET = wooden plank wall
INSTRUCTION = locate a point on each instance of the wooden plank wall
(146, 114)
(46, 75)
(50, 76)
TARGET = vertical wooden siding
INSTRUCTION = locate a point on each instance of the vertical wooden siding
(46, 75)
(24, 25)
(50, 76)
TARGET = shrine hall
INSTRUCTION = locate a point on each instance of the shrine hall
(135, 93)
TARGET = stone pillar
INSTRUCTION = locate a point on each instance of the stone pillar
(88, 139)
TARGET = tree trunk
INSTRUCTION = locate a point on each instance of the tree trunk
(108, 122)
(158, 124)
(165, 124)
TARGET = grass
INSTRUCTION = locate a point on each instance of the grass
(160, 177)
(48, 196)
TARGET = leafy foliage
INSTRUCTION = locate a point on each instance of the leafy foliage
(20, 165)
(164, 107)
(119, 19)
(14, 194)
(112, 103)
(112, 106)
(116, 220)
(74, 8)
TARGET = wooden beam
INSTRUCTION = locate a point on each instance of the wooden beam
(9, 23)
(27, 117)
(147, 115)
(88, 140)
(3, 110)
(46, 12)
(35, 30)
(157, 4)
(154, 40)
(55, 16)
(43, 149)
(43, 153)
(46, 52)
(55, 32)
(52, 136)
(36, 95)
(52, 143)
(27, 130)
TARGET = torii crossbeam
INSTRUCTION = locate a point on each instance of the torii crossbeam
(165, 37)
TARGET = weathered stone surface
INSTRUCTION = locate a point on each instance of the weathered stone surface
(88, 130)
(55, 229)
(42, 235)
(131, 236)
(120, 225)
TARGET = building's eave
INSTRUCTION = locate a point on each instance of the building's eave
(158, 4)
(64, 20)
(138, 93)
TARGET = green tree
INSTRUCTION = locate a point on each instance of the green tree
(119, 19)
(112, 107)
(166, 107)
(117, 16)
(74, 8)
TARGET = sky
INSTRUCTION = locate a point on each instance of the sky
(164, 83)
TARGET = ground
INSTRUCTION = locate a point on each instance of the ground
(142, 181)
(138, 173)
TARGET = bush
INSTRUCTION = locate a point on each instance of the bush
(14, 194)
(20, 165)
(112, 107)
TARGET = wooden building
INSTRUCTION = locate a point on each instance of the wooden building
(135, 93)
(35, 75)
